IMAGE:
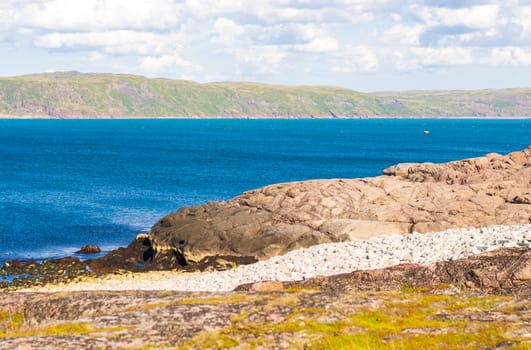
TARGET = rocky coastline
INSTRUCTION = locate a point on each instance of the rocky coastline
(329, 259)
(276, 219)
(426, 255)
(273, 220)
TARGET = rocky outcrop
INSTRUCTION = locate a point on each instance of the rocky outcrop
(89, 249)
(437, 303)
(504, 271)
(272, 220)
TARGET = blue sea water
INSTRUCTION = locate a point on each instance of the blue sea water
(66, 183)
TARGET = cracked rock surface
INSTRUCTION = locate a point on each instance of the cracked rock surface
(490, 190)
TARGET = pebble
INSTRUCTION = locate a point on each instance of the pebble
(335, 258)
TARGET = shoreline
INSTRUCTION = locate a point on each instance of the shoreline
(328, 259)
(264, 118)
(340, 219)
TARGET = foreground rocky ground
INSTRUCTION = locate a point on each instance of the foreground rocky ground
(480, 302)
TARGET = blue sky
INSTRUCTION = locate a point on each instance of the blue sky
(365, 45)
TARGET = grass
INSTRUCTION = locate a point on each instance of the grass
(216, 300)
(10, 322)
(213, 341)
(49, 330)
(12, 325)
(403, 320)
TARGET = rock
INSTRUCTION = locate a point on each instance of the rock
(89, 249)
(129, 258)
(275, 219)
(264, 286)
(296, 318)
(504, 271)
(351, 229)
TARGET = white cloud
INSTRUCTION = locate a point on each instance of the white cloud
(260, 55)
(96, 57)
(227, 32)
(402, 60)
(114, 42)
(315, 39)
(445, 56)
(396, 17)
(285, 37)
(509, 56)
(420, 58)
(253, 61)
(402, 35)
(92, 15)
(270, 38)
(320, 44)
(356, 59)
(205, 9)
(152, 64)
(483, 16)
(483, 26)
(297, 15)
(284, 11)
(522, 16)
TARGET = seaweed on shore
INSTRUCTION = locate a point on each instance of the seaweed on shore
(26, 273)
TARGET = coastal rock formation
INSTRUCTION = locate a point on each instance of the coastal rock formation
(504, 271)
(89, 249)
(272, 220)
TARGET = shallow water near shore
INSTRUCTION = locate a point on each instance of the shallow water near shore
(66, 183)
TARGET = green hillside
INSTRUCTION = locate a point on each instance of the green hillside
(73, 94)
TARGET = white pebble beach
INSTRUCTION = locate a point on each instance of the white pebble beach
(322, 260)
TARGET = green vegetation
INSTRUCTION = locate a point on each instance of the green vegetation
(13, 326)
(72, 94)
(411, 320)
(215, 300)
(408, 319)
(10, 322)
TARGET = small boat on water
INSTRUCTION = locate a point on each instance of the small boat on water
(426, 132)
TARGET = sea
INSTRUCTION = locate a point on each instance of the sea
(67, 183)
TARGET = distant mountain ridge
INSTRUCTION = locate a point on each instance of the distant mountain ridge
(80, 95)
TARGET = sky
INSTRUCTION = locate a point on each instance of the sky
(365, 45)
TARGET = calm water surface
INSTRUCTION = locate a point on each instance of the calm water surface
(65, 183)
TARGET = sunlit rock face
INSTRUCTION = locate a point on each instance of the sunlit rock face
(269, 221)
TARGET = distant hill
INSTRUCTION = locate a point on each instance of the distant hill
(72, 94)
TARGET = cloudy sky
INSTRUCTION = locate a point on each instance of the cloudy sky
(366, 45)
